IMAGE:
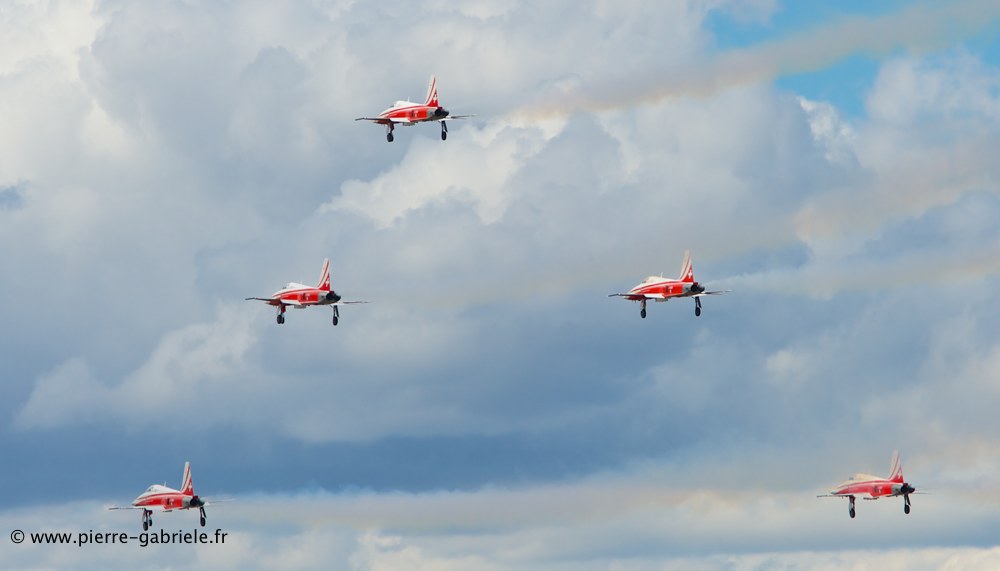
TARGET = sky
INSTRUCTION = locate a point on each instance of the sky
(832, 163)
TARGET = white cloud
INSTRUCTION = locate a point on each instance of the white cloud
(916, 26)
(66, 395)
(200, 361)
(655, 518)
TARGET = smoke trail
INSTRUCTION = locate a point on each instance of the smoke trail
(917, 27)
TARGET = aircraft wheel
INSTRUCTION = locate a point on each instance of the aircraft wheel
(203, 522)
(150, 522)
(281, 319)
(851, 511)
(335, 320)
(444, 135)
(145, 525)
(388, 137)
(642, 313)
(697, 311)
(906, 508)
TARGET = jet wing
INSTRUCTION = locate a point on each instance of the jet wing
(718, 292)
(384, 120)
(639, 295)
(155, 508)
(273, 300)
(450, 117)
(347, 302)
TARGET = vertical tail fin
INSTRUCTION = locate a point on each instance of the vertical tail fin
(187, 485)
(324, 278)
(687, 271)
(432, 93)
(896, 468)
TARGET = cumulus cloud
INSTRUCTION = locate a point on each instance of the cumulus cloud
(919, 26)
(651, 519)
(186, 365)
(206, 154)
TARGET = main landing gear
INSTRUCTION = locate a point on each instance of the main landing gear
(203, 519)
(388, 132)
(697, 307)
(850, 507)
(336, 315)
(906, 504)
(444, 131)
(642, 310)
(281, 314)
(147, 519)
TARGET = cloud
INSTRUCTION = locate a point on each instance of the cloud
(915, 27)
(652, 518)
(180, 158)
(199, 360)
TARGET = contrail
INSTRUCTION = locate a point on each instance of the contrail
(917, 27)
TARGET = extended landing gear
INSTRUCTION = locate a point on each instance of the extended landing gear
(336, 315)
(697, 307)
(280, 319)
(202, 510)
(642, 310)
(388, 132)
(906, 504)
(850, 508)
(444, 131)
(147, 519)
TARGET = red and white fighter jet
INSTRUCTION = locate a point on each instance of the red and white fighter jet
(301, 296)
(409, 113)
(872, 487)
(162, 498)
(660, 289)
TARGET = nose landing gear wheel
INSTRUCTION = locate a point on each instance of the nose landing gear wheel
(388, 137)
